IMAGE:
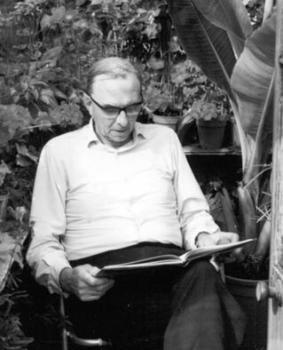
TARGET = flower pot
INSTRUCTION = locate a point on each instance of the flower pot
(170, 121)
(244, 291)
(211, 133)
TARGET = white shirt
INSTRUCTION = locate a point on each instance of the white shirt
(90, 198)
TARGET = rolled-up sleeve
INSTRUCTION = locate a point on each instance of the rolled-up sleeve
(46, 255)
(193, 209)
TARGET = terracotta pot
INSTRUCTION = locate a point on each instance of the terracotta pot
(244, 291)
(211, 133)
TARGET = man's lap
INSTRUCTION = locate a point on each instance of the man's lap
(138, 307)
(135, 312)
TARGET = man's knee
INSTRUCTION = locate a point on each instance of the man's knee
(198, 275)
(202, 268)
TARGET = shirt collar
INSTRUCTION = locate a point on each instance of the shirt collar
(91, 137)
(139, 131)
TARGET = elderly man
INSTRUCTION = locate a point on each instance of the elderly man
(118, 190)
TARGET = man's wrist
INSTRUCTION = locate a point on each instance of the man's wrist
(65, 279)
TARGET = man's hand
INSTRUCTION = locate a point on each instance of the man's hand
(205, 239)
(82, 282)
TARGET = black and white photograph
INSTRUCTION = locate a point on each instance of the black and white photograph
(141, 174)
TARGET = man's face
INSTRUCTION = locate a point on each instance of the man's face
(115, 126)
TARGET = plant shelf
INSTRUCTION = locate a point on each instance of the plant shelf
(197, 150)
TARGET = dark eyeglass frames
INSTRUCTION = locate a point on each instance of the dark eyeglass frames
(112, 112)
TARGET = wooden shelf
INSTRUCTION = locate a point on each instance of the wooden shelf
(197, 150)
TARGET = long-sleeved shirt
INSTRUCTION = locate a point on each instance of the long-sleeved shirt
(90, 198)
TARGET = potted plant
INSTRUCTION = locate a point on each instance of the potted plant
(246, 276)
(250, 270)
(164, 91)
(159, 102)
(245, 279)
(211, 119)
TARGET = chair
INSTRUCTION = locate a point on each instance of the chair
(69, 336)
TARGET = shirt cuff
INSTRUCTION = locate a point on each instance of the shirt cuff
(190, 240)
(197, 237)
(55, 265)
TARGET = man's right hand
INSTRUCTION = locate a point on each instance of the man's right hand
(82, 282)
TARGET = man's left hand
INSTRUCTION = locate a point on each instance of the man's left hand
(205, 240)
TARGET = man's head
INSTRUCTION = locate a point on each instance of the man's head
(114, 88)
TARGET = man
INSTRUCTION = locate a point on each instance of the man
(117, 190)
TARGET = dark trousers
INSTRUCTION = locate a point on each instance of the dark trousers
(171, 308)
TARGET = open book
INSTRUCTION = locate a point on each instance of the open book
(171, 259)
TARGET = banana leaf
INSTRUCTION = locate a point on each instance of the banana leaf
(229, 15)
(252, 77)
(205, 44)
(253, 84)
(213, 34)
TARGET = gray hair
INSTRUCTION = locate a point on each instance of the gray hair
(114, 67)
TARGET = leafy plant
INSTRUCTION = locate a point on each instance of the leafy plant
(208, 109)
(176, 90)
(12, 336)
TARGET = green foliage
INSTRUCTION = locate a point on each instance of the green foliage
(4, 170)
(59, 41)
(166, 92)
(12, 336)
(12, 119)
(211, 107)
(202, 110)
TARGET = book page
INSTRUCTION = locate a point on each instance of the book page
(175, 260)
(162, 258)
(213, 249)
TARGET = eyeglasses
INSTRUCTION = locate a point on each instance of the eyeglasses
(112, 112)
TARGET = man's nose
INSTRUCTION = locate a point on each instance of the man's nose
(122, 119)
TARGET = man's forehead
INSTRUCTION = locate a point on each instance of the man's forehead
(129, 84)
(114, 77)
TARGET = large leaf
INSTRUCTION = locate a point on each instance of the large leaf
(205, 43)
(58, 15)
(13, 118)
(229, 15)
(4, 170)
(252, 76)
(253, 86)
(10, 246)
